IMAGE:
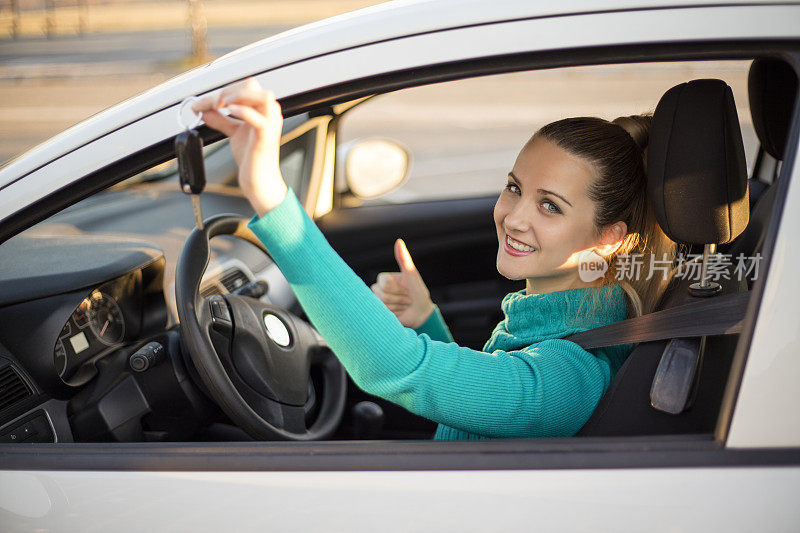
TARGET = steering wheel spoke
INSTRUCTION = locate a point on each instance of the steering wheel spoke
(254, 358)
(294, 418)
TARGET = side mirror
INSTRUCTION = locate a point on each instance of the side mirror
(373, 166)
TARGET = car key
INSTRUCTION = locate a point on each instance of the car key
(191, 167)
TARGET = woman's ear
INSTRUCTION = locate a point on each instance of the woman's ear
(612, 238)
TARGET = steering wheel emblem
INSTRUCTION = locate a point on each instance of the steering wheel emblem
(276, 330)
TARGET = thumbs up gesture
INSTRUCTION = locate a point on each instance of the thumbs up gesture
(404, 292)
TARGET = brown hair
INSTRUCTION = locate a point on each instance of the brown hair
(618, 151)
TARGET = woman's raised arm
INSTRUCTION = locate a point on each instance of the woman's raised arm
(548, 389)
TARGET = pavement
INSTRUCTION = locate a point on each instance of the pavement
(137, 15)
(47, 85)
(50, 83)
(130, 53)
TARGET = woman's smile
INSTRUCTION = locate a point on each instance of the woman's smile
(517, 248)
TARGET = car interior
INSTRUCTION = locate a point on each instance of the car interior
(91, 348)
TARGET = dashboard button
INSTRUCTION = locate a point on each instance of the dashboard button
(34, 428)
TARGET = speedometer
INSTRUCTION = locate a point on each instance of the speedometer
(105, 318)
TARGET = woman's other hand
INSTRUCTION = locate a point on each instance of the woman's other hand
(404, 292)
(254, 128)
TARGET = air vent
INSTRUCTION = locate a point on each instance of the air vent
(233, 279)
(12, 388)
(211, 290)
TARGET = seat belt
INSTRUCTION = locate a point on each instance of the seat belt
(686, 326)
(718, 315)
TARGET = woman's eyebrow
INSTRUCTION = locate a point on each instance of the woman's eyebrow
(545, 191)
(542, 191)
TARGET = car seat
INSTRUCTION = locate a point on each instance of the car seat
(697, 183)
(772, 88)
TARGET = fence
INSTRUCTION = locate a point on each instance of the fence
(18, 17)
(38, 18)
(72, 16)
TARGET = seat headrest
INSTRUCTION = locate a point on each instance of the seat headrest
(697, 176)
(772, 87)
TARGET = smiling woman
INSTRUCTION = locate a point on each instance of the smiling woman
(526, 382)
(534, 221)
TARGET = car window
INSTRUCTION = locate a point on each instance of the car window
(463, 136)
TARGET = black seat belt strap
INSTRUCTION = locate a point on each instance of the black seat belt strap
(718, 315)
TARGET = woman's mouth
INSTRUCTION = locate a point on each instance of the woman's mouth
(517, 248)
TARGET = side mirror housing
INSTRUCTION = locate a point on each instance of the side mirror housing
(374, 166)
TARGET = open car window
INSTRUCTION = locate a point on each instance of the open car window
(462, 136)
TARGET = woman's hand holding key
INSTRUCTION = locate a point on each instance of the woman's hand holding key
(254, 128)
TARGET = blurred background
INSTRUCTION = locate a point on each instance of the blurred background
(63, 60)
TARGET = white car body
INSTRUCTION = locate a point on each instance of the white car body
(355, 490)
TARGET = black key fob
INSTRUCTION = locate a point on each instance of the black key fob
(191, 167)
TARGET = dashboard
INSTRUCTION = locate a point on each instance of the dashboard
(75, 306)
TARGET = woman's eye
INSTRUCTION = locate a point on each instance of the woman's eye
(513, 188)
(550, 207)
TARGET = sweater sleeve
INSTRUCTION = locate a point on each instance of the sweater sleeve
(547, 389)
(435, 327)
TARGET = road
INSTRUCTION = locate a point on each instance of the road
(47, 85)
(101, 54)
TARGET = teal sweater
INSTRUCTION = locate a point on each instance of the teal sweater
(528, 382)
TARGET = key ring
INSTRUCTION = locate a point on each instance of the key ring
(197, 116)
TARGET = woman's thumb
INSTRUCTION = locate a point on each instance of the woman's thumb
(403, 257)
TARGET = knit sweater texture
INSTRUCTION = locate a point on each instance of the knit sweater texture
(527, 381)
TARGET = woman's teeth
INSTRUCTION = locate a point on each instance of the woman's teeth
(518, 246)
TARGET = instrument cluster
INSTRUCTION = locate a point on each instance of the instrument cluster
(106, 319)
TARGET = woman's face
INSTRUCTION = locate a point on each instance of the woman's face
(544, 212)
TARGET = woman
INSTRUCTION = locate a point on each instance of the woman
(576, 188)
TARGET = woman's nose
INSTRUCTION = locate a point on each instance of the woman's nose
(519, 218)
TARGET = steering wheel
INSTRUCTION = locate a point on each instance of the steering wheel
(254, 358)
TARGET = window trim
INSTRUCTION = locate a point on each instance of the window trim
(668, 451)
